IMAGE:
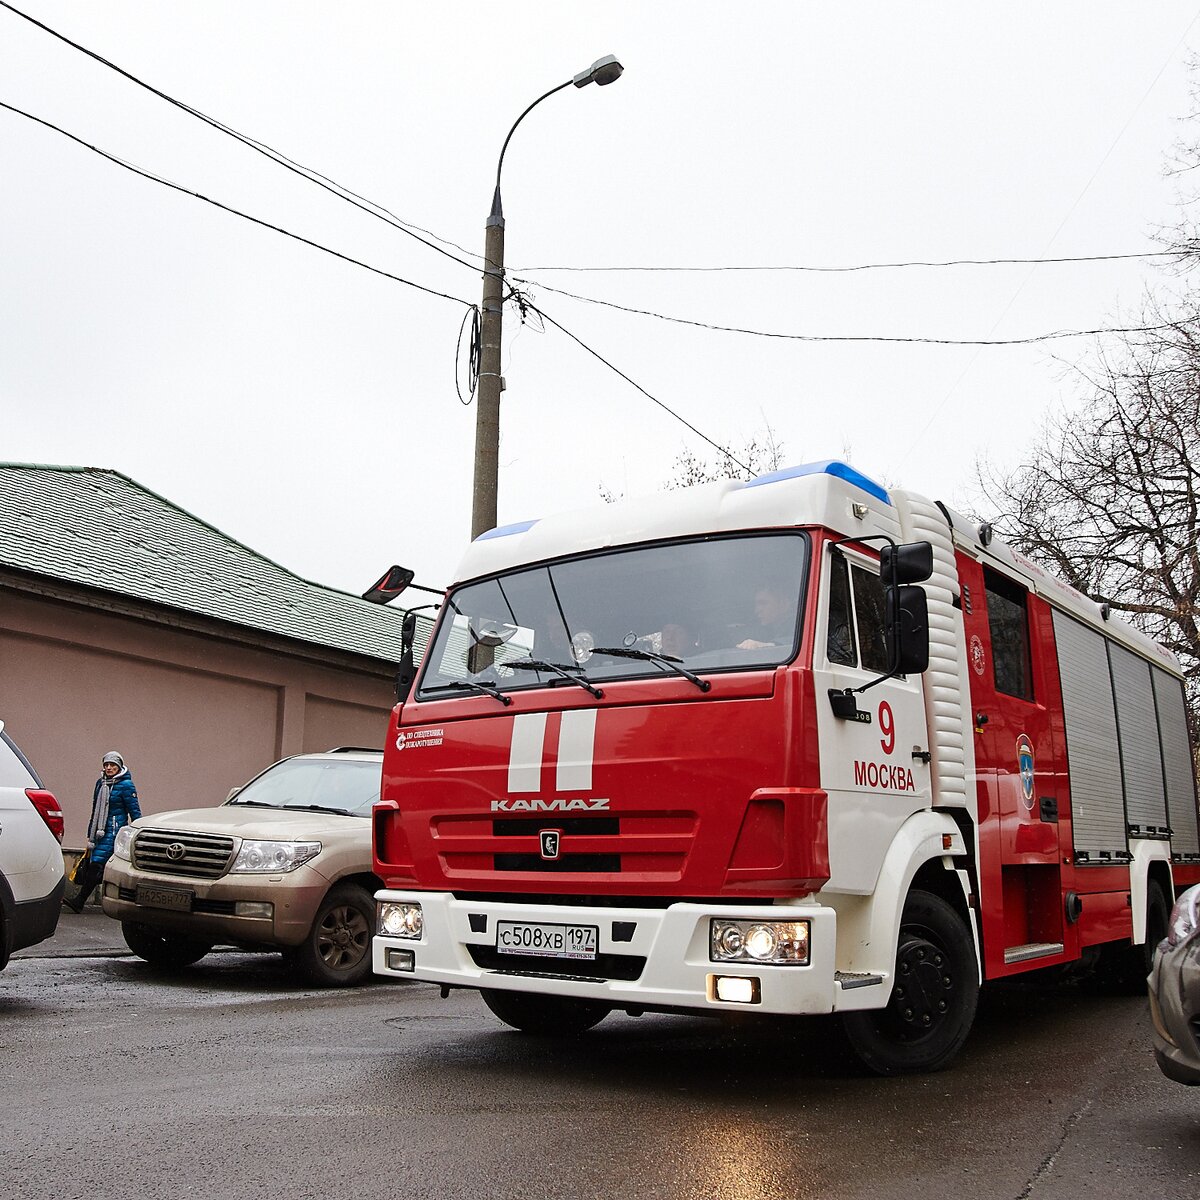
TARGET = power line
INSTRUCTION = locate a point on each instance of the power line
(879, 266)
(1055, 335)
(332, 186)
(226, 208)
(665, 407)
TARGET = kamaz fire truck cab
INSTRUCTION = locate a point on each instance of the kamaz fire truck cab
(694, 752)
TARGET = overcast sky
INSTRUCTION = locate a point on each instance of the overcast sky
(307, 407)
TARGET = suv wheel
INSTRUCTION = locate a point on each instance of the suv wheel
(163, 949)
(337, 950)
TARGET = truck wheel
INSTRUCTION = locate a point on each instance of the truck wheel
(1123, 966)
(545, 1016)
(337, 950)
(163, 949)
(932, 1004)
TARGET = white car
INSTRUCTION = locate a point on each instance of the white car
(31, 863)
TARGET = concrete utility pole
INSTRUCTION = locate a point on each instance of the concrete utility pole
(487, 415)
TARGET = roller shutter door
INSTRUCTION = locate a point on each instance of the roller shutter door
(1141, 757)
(1177, 765)
(1093, 760)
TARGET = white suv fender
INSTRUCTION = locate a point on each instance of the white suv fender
(868, 927)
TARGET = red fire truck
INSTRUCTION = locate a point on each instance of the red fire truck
(797, 745)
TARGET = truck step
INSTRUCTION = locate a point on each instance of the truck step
(1016, 954)
(855, 979)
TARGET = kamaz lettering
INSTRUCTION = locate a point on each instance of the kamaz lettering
(539, 805)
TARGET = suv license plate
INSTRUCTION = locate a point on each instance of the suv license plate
(547, 941)
(158, 897)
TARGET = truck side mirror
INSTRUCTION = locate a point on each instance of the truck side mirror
(407, 671)
(911, 562)
(906, 628)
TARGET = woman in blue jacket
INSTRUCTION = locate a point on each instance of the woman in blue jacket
(114, 803)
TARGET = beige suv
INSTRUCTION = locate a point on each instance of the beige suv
(284, 863)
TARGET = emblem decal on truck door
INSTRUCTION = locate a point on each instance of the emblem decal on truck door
(1025, 768)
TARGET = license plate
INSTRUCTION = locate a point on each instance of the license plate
(158, 897)
(547, 941)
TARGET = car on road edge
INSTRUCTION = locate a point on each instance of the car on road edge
(31, 862)
(283, 864)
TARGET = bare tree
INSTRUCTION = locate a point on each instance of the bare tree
(1109, 499)
(759, 453)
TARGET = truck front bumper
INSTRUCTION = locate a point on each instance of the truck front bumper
(645, 957)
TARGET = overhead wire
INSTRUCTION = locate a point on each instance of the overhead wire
(633, 383)
(1055, 335)
(370, 207)
(879, 266)
(228, 208)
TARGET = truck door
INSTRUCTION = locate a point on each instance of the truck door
(1020, 774)
(875, 770)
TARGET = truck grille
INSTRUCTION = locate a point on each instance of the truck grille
(172, 852)
(604, 966)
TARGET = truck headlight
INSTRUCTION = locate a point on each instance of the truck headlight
(401, 920)
(272, 858)
(777, 942)
(123, 843)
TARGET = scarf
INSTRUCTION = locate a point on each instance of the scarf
(99, 822)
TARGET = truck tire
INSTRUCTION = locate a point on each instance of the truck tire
(932, 1005)
(337, 949)
(545, 1016)
(168, 950)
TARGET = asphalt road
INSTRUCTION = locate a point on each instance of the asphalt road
(228, 1080)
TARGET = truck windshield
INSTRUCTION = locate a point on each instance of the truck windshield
(723, 603)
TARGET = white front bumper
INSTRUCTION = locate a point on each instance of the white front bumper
(674, 942)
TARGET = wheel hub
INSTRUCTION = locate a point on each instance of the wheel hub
(924, 987)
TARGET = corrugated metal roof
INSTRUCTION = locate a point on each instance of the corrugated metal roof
(101, 529)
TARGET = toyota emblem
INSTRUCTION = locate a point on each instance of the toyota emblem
(176, 851)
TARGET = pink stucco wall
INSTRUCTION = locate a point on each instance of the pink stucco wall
(194, 713)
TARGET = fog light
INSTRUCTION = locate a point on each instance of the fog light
(111, 891)
(781, 943)
(401, 960)
(735, 989)
(254, 908)
(401, 920)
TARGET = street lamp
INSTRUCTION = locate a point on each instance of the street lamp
(487, 416)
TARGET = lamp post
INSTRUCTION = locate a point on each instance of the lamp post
(487, 415)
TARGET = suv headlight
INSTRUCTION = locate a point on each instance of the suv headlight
(1185, 917)
(272, 858)
(123, 843)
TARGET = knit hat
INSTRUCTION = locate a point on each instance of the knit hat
(113, 757)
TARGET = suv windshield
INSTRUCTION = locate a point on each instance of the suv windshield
(718, 604)
(337, 784)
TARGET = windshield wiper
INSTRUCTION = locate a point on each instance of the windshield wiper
(344, 812)
(667, 661)
(537, 664)
(469, 685)
(254, 803)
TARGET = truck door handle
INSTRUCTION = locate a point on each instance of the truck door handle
(923, 755)
(1048, 808)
